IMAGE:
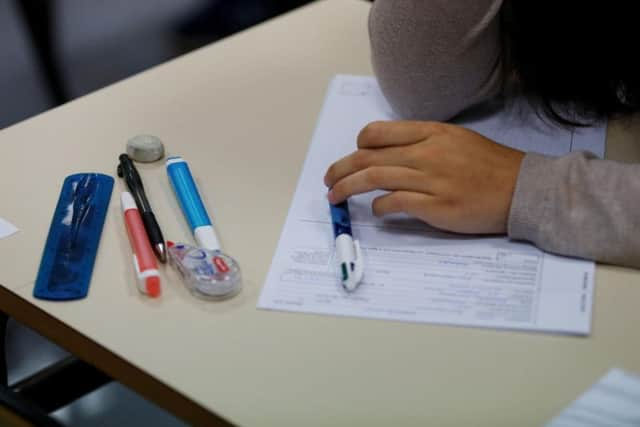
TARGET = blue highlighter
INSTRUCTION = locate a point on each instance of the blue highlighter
(207, 271)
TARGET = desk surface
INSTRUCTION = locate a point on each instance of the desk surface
(242, 112)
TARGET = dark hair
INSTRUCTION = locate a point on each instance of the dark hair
(578, 60)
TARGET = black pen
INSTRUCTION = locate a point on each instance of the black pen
(127, 170)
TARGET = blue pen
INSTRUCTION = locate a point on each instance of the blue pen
(191, 203)
(206, 270)
(348, 250)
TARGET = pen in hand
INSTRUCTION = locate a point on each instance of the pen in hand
(348, 252)
(127, 170)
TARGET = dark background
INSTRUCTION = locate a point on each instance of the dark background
(52, 51)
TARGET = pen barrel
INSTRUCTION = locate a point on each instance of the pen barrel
(128, 171)
(139, 241)
(340, 219)
(140, 198)
(144, 261)
(187, 193)
(345, 249)
(152, 228)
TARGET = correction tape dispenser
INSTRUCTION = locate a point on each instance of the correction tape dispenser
(208, 274)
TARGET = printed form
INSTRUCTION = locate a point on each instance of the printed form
(413, 272)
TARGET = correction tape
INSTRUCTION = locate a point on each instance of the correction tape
(207, 273)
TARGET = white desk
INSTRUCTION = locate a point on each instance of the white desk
(242, 112)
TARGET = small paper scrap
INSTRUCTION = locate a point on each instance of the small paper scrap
(6, 228)
(612, 401)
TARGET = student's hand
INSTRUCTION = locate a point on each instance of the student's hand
(447, 176)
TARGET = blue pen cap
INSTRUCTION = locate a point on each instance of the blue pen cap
(187, 192)
(340, 218)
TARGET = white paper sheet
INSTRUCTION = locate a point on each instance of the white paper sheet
(6, 228)
(413, 272)
(614, 401)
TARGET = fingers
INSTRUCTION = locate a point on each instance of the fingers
(389, 178)
(384, 144)
(393, 133)
(411, 203)
(363, 159)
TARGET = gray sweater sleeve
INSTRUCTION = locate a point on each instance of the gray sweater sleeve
(579, 205)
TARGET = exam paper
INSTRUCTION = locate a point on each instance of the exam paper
(612, 401)
(6, 228)
(412, 271)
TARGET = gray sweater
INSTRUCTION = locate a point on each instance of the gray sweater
(435, 58)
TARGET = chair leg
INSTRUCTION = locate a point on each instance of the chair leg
(60, 384)
(18, 412)
(3, 349)
(53, 387)
(38, 16)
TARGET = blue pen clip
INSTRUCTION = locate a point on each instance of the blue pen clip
(348, 252)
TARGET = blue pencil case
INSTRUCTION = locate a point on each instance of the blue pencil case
(72, 243)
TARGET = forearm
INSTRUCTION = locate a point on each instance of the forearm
(579, 205)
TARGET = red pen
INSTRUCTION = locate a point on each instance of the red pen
(144, 261)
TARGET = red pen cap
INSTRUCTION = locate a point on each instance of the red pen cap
(153, 286)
